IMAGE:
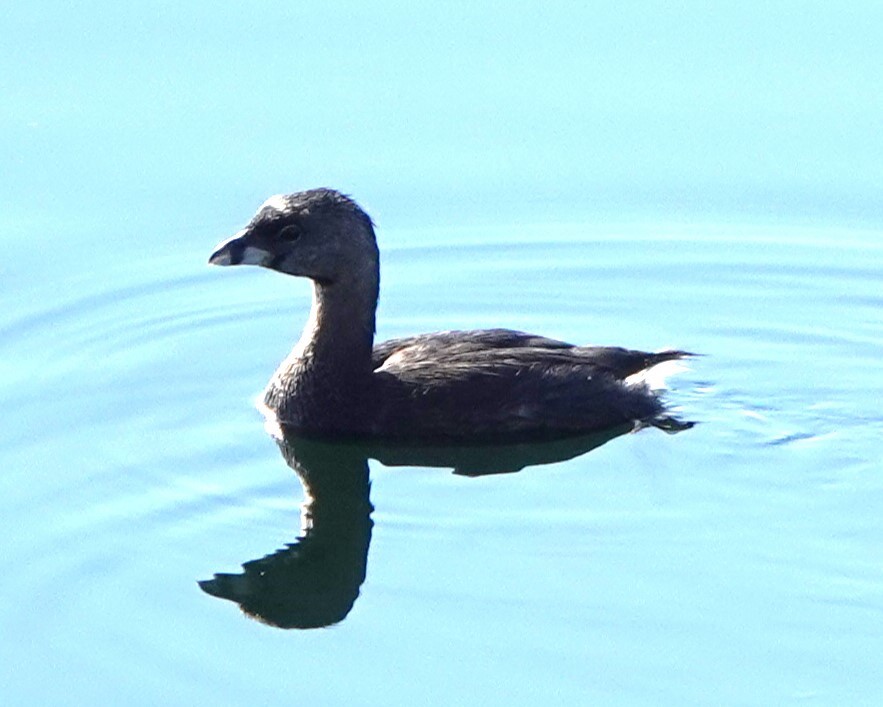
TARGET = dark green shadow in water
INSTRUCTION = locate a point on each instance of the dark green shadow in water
(315, 580)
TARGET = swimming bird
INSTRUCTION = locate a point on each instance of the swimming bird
(450, 386)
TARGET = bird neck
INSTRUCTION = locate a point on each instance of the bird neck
(322, 385)
(339, 335)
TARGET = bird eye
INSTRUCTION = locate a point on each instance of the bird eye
(290, 233)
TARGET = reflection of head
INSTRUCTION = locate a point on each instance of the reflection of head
(315, 581)
(309, 584)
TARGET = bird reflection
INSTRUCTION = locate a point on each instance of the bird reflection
(314, 581)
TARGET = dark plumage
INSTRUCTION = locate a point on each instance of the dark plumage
(460, 386)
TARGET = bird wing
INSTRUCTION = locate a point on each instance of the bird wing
(463, 341)
(505, 352)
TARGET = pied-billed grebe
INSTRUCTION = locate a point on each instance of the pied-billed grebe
(458, 386)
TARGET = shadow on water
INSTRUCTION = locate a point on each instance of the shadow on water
(314, 581)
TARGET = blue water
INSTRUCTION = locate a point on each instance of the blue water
(644, 177)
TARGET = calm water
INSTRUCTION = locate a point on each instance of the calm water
(648, 176)
(747, 548)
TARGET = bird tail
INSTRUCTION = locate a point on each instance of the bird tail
(659, 367)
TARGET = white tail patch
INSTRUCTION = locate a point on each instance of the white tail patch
(655, 377)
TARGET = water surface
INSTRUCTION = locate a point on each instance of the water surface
(747, 547)
(647, 176)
